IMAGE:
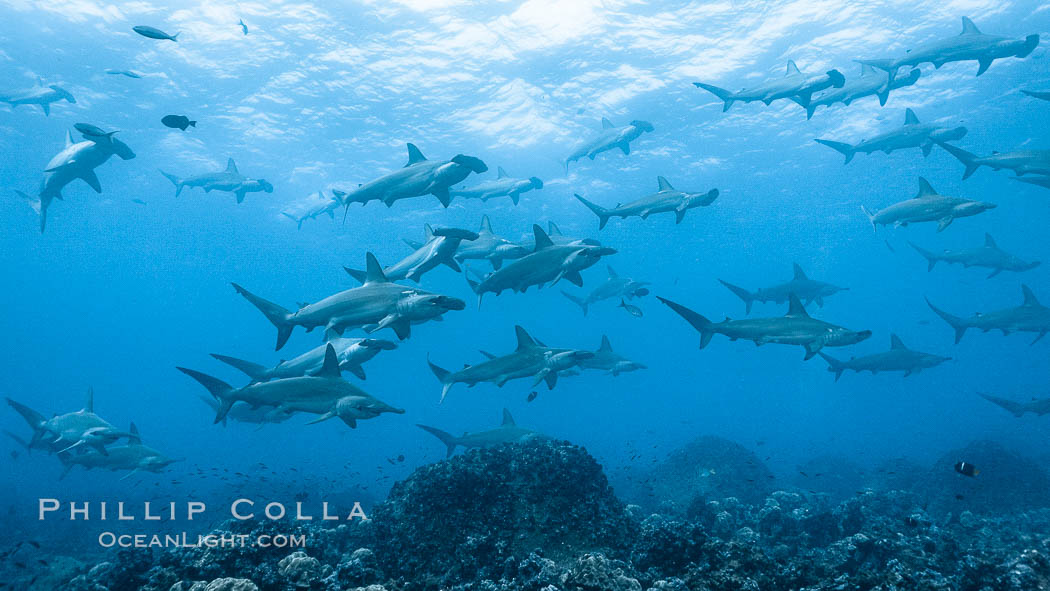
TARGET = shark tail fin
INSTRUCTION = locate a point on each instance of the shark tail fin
(39, 205)
(968, 159)
(442, 376)
(955, 322)
(254, 371)
(277, 315)
(601, 212)
(725, 95)
(578, 301)
(447, 438)
(886, 65)
(31, 416)
(1017, 409)
(930, 257)
(840, 147)
(175, 181)
(219, 390)
(871, 218)
(698, 322)
(834, 365)
(747, 296)
(18, 440)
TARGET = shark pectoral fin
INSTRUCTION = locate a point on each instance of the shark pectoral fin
(129, 474)
(679, 215)
(819, 300)
(1038, 337)
(91, 179)
(71, 447)
(626, 147)
(575, 278)
(402, 328)
(551, 379)
(451, 264)
(357, 370)
(443, 196)
(944, 223)
(984, 63)
(328, 415)
(994, 273)
(908, 372)
(926, 149)
(812, 348)
(47, 108)
(240, 193)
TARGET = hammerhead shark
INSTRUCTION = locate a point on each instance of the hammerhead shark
(1030, 316)
(794, 84)
(76, 161)
(507, 432)
(898, 358)
(666, 199)
(66, 432)
(970, 45)
(988, 255)
(794, 328)
(912, 135)
(40, 95)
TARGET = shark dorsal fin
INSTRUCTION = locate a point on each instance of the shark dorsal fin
(896, 342)
(989, 241)
(69, 138)
(795, 307)
(320, 195)
(606, 124)
(663, 184)
(89, 404)
(968, 27)
(133, 435)
(542, 239)
(524, 340)
(910, 118)
(486, 225)
(373, 271)
(500, 173)
(1029, 297)
(612, 272)
(553, 229)
(231, 166)
(606, 345)
(866, 70)
(925, 188)
(428, 232)
(414, 155)
(508, 421)
(330, 367)
(799, 273)
(487, 354)
(791, 68)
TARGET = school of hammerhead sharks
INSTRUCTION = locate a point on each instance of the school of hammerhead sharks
(312, 382)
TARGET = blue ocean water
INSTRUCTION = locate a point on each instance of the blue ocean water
(116, 294)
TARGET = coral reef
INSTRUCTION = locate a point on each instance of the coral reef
(540, 516)
(710, 468)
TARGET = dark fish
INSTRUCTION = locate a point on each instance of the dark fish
(401, 457)
(532, 396)
(178, 122)
(20, 565)
(967, 469)
(632, 310)
(959, 497)
(92, 131)
(154, 33)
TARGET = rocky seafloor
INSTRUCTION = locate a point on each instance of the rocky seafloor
(542, 516)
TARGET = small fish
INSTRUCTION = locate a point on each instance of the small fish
(20, 565)
(532, 396)
(42, 561)
(128, 73)
(967, 469)
(959, 497)
(92, 131)
(632, 310)
(401, 457)
(178, 122)
(244, 27)
(154, 33)
(139, 201)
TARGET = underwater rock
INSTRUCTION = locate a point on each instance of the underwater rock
(1007, 482)
(461, 519)
(230, 584)
(595, 572)
(299, 569)
(665, 546)
(711, 468)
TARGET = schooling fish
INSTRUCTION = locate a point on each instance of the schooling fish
(178, 122)
(632, 310)
(154, 33)
(967, 469)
